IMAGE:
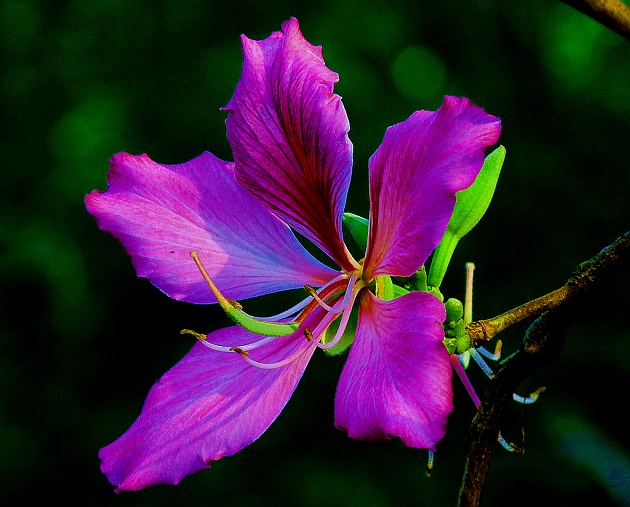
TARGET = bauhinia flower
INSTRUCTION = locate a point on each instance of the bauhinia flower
(291, 170)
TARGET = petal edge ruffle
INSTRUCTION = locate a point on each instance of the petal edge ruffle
(414, 176)
(397, 379)
(161, 213)
(289, 135)
(211, 404)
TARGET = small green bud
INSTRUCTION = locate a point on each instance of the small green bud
(471, 205)
(454, 310)
(358, 227)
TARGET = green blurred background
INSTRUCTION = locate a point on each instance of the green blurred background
(82, 339)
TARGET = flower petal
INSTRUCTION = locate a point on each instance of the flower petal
(397, 379)
(289, 134)
(414, 176)
(210, 405)
(161, 213)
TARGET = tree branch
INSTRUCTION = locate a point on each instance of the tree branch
(543, 343)
(613, 14)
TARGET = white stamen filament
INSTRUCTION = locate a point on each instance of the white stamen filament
(279, 364)
(249, 346)
(302, 304)
(344, 320)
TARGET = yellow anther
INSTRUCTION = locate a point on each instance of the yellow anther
(235, 304)
(239, 351)
(235, 310)
(199, 336)
(310, 290)
(308, 334)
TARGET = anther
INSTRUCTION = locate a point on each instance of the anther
(199, 336)
(239, 351)
(308, 334)
(234, 310)
(313, 293)
(526, 400)
(430, 464)
(235, 304)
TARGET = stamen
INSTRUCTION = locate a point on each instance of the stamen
(527, 400)
(497, 351)
(308, 334)
(222, 348)
(234, 310)
(239, 351)
(461, 373)
(430, 464)
(459, 369)
(278, 364)
(345, 305)
(235, 304)
(202, 339)
(481, 363)
(316, 297)
(344, 319)
(507, 445)
(291, 312)
(470, 267)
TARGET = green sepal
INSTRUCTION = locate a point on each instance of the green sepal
(399, 291)
(358, 227)
(471, 205)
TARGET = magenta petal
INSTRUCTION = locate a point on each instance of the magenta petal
(289, 134)
(414, 176)
(161, 213)
(210, 405)
(397, 379)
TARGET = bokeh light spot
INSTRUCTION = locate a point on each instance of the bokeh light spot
(418, 73)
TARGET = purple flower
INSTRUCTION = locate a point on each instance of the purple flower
(291, 169)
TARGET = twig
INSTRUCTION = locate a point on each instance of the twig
(613, 14)
(585, 275)
(543, 342)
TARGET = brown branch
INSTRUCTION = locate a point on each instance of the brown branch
(585, 275)
(542, 345)
(613, 14)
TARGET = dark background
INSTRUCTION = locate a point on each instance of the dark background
(82, 339)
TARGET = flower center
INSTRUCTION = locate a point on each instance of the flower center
(336, 299)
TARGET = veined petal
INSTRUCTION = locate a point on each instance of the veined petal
(397, 379)
(211, 404)
(414, 176)
(161, 213)
(289, 134)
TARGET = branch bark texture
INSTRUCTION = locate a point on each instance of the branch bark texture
(613, 14)
(543, 343)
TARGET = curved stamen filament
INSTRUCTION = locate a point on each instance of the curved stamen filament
(527, 400)
(235, 311)
(481, 362)
(302, 304)
(278, 364)
(242, 350)
(497, 352)
(316, 297)
(353, 290)
(233, 348)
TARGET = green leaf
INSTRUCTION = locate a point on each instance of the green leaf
(471, 205)
(358, 227)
